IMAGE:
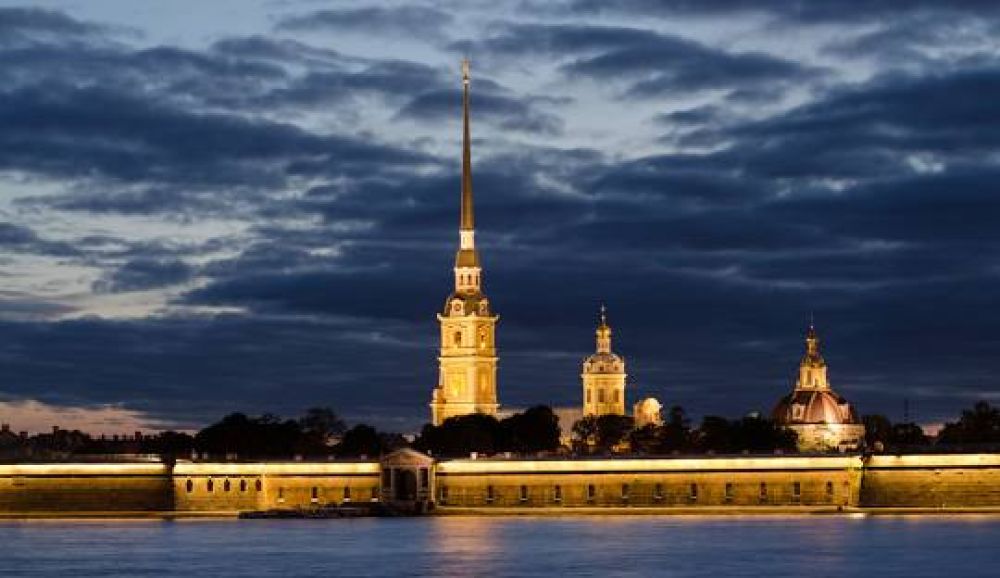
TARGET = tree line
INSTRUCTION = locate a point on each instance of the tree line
(322, 434)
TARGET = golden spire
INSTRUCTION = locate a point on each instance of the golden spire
(467, 223)
(604, 332)
(812, 356)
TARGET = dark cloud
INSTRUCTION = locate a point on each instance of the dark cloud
(143, 274)
(27, 26)
(650, 63)
(808, 11)
(420, 22)
(18, 238)
(504, 111)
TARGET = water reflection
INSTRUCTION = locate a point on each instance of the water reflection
(493, 546)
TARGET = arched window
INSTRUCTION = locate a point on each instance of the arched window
(210, 485)
(457, 338)
(226, 486)
(258, 485)
(189, 486)
(243, 485)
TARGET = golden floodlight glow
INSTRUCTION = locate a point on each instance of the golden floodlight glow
(662, 464)
(277, 468)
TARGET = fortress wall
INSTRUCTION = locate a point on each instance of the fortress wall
(932, 481)
(821, 481)
(79, 488)
(258, 486)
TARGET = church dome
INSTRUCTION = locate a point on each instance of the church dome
(814, 407)
(603, 362)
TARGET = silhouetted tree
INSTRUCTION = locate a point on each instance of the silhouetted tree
(360, 440)
(264, 437)
(602, 433)
(751, 433)
(979, 425)
(878, 430)
(908, 434)
(676, 432)
(646, 440)
(462, 435)
(323, 423)
(534, 430)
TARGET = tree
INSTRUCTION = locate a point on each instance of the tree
(535, 430)
(360, 440)
(676, 434)
(462, 435)
(878, 429)
(614, 430)
(646, 440)
(585, 433)
(323, 423)
(980, 425)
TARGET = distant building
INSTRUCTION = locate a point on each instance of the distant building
(822, 419)
(647, 412)
(468, 359)
(603, 376)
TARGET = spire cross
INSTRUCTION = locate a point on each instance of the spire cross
(604, 316)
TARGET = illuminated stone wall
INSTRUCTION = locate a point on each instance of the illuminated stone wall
(770, 481)
(932, 481)
(912, 481)
(37, 488)
(225, 487)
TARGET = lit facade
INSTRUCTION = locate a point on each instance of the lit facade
(822, 419)
(603, 376)
(468, 358)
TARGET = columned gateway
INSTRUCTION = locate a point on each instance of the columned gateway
(468, 360)
(407, 481)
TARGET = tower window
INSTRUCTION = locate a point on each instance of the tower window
(457, 338)
(226, 486)
(189, 486)
(258, 485)
(600, 395)
(210, 485)
(243, 485)
(616, 396)
(589, 397)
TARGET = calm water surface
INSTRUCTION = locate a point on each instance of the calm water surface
(470, 546)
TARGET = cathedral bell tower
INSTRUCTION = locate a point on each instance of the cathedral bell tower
(603, 376)
(468, 359)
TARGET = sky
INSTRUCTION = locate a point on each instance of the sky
(252, 205)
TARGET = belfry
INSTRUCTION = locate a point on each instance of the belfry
(468, 359)
(603, 376)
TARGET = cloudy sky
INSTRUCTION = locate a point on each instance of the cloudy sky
(251, 204)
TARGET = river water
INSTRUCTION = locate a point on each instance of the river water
(805, 546)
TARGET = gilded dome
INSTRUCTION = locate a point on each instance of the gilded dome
(805, 406)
